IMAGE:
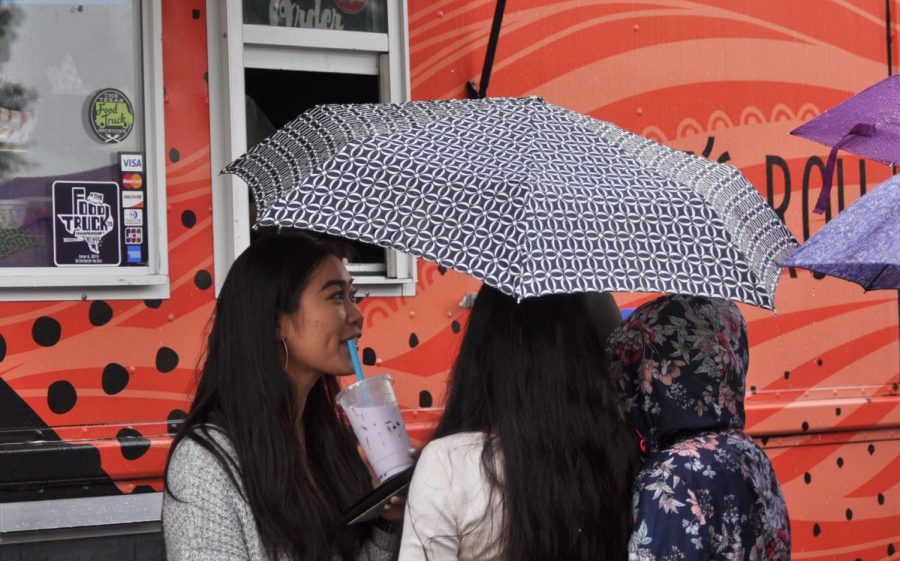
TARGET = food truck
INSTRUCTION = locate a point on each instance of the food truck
(116, 228)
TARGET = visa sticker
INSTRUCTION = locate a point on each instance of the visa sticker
(131, 162)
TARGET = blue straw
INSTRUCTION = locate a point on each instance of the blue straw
(354, 356)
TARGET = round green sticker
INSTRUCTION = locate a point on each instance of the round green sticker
(111, 115)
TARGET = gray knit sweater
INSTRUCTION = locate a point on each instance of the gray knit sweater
(212, 522)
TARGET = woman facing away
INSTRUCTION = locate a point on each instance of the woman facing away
(263, 465)
(706, 491)
(532, 459)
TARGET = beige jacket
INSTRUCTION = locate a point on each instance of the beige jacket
(450, 512)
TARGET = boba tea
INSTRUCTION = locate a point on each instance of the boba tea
(372, 409)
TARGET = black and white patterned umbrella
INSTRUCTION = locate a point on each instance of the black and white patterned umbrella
(529, 197)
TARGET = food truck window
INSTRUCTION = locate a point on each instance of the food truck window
(272, 59)
(276, 97)
(81, 181)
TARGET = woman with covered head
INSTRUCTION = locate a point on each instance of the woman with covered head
(706, 490)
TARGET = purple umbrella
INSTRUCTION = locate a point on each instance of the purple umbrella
(862, 244)
(867, 124)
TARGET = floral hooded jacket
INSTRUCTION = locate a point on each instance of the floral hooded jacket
(706, 491)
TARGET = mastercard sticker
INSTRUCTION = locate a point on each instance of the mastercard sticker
(132, 180)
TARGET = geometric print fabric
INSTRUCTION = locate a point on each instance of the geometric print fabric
(524, 195)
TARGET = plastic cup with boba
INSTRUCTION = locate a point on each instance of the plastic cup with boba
(371, 407)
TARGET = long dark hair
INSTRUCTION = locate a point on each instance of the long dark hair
(533, 376)
(296, 496)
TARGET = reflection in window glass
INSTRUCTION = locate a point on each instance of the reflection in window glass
(71, 99)
(347, 15)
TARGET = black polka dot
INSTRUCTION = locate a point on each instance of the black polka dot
(413, 340)
(840, 462)
(46, 331)
(837, 411)
(188, 218)
(166, 359)
(115, 378)
(132, 443)
(890, 549)
(752, 389)
(819, 362)
(140, 489)
(849, 514)
(816, 529)
(787, 374)
(442, 270)
(804, 426)
(369, 358)
(425, 399)
(203, 280)
(61, 397)
(454, 326)
(100, 313)
(155, 303)
(871, 449)
(881, 498)
(807, 478)
(206, 77)
(195, 14)
(174, 155)
(2, 348)
(175, 418)
(764, 440)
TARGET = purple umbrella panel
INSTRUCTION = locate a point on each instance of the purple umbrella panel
(861, 244)
(867, 124)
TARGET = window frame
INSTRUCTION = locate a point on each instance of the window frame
(235, 46)
(114, 282)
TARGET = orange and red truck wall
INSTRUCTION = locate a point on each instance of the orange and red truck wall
(724, 79)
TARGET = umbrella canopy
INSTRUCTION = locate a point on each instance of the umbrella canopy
(862, 244)
(524, 195)
(877, 106)
(867, 124)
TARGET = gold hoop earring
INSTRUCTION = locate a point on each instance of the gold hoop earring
(286, 357)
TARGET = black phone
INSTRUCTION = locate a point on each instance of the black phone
(370, 506)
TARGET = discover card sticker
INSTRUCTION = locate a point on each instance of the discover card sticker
(131, 199)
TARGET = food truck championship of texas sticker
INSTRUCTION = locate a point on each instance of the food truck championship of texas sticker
(111, 115)
(86, 223)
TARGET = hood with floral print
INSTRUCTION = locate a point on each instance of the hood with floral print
(680, 364)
